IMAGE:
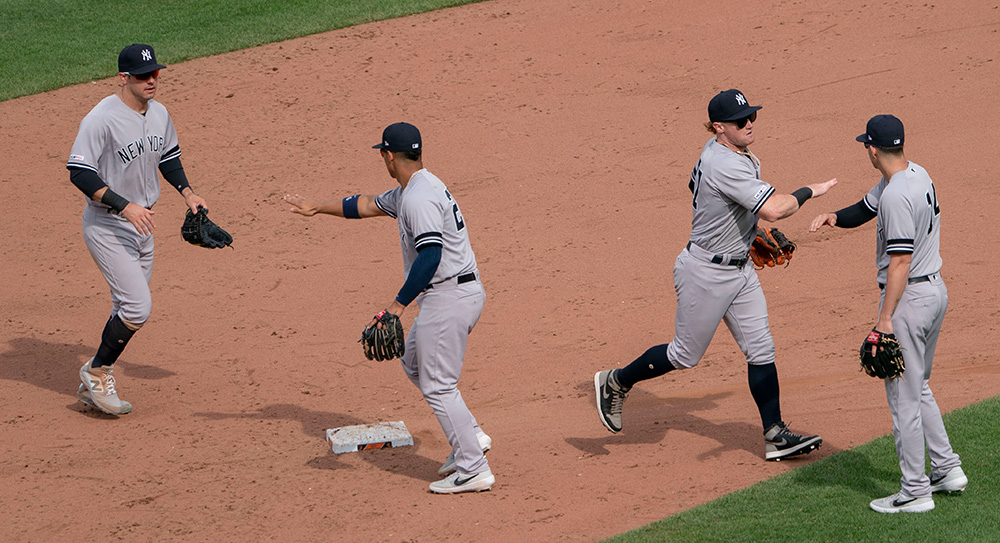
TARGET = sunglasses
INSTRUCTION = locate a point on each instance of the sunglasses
(146, 76)
(741, 123)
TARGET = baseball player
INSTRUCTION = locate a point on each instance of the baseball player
(912, 306)
(121, 145)
(712, 279)
(442, 277)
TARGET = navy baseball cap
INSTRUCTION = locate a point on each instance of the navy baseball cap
(883, 131)
(729, 105)
(138, 59)
(399, 137)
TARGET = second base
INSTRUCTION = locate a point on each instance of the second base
(379, 435)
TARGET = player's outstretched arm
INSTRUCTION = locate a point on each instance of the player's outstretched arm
(780, 206)
(365, 206)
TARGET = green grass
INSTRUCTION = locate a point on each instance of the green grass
(828, 500)
(47, 44)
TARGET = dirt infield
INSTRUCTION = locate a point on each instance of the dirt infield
(567, 130)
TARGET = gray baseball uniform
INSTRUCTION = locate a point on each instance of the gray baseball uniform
(909, 221)
(427, 214)
(712, 280)
(125, 149)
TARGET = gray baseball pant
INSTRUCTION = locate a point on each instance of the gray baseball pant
(916, 418)
(435, 351)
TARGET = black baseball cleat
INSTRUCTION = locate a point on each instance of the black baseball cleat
(610, 398)
(780, 442)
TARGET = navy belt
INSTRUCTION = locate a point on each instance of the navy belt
(719, 259)
(461, 279)
(912, 280)
(114, 211)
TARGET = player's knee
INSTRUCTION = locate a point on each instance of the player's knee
(682, 358)
(134, 315)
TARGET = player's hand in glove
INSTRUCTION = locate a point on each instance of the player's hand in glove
(198, 229)
(881, 356)
(383, 339)
(771, 248)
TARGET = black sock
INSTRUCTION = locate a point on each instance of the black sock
(652, 363)
(113, 340)
(764, 389)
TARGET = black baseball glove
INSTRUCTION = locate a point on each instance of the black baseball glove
(384, 342)
(198, 229)
(887, 362)
(770, 247)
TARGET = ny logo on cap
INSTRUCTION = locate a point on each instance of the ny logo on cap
(146, 55)
(740, 99)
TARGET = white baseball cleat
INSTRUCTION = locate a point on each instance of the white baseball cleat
(98, 389)
(461, 482)
(898, 503)
(953, 481)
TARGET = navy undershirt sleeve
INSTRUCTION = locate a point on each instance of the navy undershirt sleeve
(86, 180)
(855, 215)
(421, 273)
(173, 172)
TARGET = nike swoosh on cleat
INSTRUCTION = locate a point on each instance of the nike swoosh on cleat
(897, 503)
(459, 481)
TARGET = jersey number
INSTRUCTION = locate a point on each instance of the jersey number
(932, 201)
(695, 184)
(459, 223)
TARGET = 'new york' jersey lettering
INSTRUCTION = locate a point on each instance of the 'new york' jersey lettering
(125, 148)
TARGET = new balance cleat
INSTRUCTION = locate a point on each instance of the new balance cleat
(99, 385)
(83, 395)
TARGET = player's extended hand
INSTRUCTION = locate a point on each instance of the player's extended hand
(194, 201)
(819, 189)
(301, 206)
(820, 220)
(140, 217)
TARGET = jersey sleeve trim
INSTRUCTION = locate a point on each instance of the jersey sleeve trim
(428, 239)
(384, 209)
(763, 199)
(899, 246)
(868, 205)
(171, 154)
(71, 165)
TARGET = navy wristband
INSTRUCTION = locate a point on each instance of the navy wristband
(351, 207)
(113, 200)
(803, 194)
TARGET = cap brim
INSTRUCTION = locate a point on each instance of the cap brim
(863, 138)
(745, 112)
(147, 69)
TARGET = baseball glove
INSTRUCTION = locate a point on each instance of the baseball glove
(198, 229)
(384, 342)
(770, 248)
(887, 362)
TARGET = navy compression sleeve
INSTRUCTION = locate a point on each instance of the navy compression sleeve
(86, 180)
(855, 215)
(421, 273)
(173, 172)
